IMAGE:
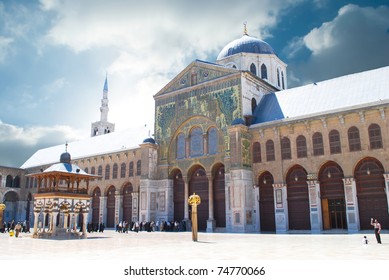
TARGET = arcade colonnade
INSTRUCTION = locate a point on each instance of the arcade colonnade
(318, 201)
(324, 201)
(150, 204)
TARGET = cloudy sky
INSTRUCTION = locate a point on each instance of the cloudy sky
(55, 54)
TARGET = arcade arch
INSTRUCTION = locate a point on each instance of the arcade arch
(298, 199)
(332, 196)
(127, 202)
(266, 202)
(371, 195)
(111, 201)
(96, 205)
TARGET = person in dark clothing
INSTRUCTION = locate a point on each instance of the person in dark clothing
(377, 229)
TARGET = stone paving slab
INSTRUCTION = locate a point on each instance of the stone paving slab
(145, 248)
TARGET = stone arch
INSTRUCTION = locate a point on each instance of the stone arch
(127, 191)
(371, 195)
(10, 199)
(179, 199)
(266, 201)
(111, 202)
(298, 198)
(198, 183)
(96, 195)
(219, 194)
(333, 202)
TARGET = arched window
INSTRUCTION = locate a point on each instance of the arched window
(375, 137)
(282, 79)
(8, 181)
(253, 69)
(16, 183)
(93, 170)
(270, 153)
(285, 148)
(354, 141)
(138, 167)
(123, 170)
(278, 77)
(253, 105)
(257, 152)
(86, 169)
(107, 172)
(301, 146)
(334, 139)
(115, 171)
(131, 169)
(317, 141)
(180, 146)
(212, 141)
(263, 71)
(196, 142)
(100, 171)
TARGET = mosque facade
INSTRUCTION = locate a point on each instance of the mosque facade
(262, 157)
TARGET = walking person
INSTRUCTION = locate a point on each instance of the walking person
(377, 229)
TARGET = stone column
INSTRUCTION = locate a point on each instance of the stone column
(281, 207)
(257, 210)
(85, 216)
(65, 222)
(211, 223)
(76, 213)
(314, 205)
(186, 196)
(118, 206)
(386, 176)
(53, 219)
(103, 210)
(36, 217)
(350, 193)
(44, 213)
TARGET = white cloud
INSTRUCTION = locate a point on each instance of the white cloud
(17, 144)
(149, 46)
(33, 135)
(346, 44)
(5, 46)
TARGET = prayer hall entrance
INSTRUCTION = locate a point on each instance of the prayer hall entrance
(332, 196)
(199, 184)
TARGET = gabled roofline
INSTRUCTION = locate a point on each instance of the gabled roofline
(192, 64)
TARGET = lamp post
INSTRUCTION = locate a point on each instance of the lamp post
(193, 201)
(2, 208)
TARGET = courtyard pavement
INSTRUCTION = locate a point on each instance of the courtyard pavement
(283, 255)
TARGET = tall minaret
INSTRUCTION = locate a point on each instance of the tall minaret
(103, 126)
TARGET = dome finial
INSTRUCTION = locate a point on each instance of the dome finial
(245, 28)
(66, 147)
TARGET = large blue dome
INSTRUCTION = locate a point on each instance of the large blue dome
(246, 44)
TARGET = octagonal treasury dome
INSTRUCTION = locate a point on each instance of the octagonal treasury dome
(245, 44)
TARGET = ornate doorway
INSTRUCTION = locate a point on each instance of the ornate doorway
(127, 202)
(178, 197)
(298, 199)
(219, 197)
(372, 199)
(111, 207)
(332, 197)
(96, 206)
(266, 202)
(199, 184)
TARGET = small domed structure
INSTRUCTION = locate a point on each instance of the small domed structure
(238, 121)
(65, 158)
(149, 140)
